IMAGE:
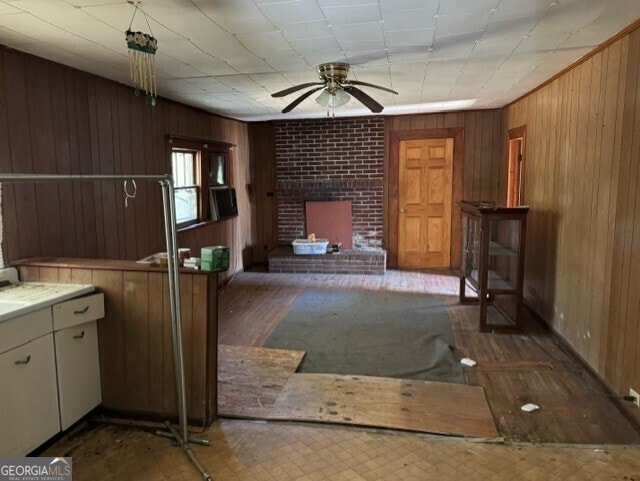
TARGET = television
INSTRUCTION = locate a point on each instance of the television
(223, 203)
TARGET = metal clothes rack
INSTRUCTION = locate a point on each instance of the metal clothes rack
(181, 437)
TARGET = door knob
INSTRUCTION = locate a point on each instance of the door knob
(402, 211)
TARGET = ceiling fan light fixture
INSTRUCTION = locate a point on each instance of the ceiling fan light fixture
(334, 99)
(336, 89)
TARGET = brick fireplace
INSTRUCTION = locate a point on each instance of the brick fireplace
(330, 160)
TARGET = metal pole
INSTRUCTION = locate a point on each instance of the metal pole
(168, 202)
(174, 298)
(174, 273)
(172, 433)
(172, 243)
(181, 438)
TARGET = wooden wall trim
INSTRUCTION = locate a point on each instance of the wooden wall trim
(195, 143)
(395, 137)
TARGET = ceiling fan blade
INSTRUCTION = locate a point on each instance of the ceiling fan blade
(364, 98)
(295, 103)
(365, 84)
(295, 88)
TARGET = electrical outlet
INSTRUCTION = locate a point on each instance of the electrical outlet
(636, 397)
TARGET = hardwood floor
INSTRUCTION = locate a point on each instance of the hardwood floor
(514, 369)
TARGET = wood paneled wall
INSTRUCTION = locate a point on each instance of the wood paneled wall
(483, 159)
(263, 164)
(581, 176)
(54, 119)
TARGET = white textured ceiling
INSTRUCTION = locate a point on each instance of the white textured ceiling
(229, 56)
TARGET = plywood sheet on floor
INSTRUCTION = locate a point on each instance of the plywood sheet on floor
(250, 378)
(412, 405)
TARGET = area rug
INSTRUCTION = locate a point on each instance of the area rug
(370, 333)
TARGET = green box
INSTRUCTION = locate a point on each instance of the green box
(206, 265)
(214, 258)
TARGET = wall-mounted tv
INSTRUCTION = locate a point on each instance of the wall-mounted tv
(223, 203)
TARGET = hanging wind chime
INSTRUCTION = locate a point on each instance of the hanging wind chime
(142, 67)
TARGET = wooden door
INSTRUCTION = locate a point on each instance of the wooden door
(515, 167)
(424, 202)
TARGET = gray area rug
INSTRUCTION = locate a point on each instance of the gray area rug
(370, 333)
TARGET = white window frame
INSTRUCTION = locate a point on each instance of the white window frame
(187, 181)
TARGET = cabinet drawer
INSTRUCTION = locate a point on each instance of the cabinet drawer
(21, 329)
(29, 399)
(78, 311)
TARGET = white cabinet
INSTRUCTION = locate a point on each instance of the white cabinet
(78, 365)
(50, 372)
(29, 396)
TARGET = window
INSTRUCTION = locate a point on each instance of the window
(185, 178)
(197, 167)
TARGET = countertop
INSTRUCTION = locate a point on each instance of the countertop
(106, 264)
(24, 297)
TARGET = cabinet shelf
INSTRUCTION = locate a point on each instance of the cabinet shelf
(493, 246)
(495, 282)
(496, 249)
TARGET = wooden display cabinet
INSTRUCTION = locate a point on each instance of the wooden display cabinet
(493, 247)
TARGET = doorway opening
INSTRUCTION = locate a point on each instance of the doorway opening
(515, 167)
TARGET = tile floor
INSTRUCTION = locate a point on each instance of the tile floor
(259, 451)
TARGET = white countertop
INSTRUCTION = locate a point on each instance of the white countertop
(24, 297)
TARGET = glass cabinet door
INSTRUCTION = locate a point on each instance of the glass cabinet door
(504, 246)
(492, 261)
(471, 238)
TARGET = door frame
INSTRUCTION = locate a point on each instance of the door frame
(395, 137)
(512, 135)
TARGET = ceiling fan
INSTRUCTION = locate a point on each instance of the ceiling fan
(336, 89)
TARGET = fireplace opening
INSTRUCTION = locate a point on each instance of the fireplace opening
(331, 220)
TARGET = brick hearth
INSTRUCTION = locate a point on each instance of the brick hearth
(282, 259)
